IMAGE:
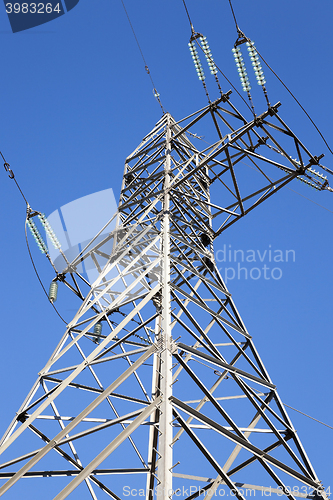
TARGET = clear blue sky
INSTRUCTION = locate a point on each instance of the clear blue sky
(76, 100)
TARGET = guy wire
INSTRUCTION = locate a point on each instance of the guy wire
(156, 94)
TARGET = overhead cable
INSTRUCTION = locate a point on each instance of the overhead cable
(312, 418)
(216, 372)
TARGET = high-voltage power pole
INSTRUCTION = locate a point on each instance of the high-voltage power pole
(156, 385)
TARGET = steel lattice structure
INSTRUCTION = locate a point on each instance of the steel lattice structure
(172, 393)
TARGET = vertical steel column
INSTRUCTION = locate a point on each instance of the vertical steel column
(165, 439)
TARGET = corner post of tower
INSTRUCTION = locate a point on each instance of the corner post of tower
(165, 440)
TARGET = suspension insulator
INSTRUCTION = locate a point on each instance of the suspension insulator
(308, 183)
(317, 174)
(98, 332)
(49, 231)
(241, 68)
(256, 63)
(37, 236)
(196, 60)
(98, 328)
(208, 55)
(205, 239)
(53, 291)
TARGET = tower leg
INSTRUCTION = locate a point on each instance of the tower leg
(165, 439)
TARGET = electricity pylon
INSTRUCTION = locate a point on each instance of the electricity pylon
(156, 388)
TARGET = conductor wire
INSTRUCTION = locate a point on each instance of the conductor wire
(312, 418)
(284, 404)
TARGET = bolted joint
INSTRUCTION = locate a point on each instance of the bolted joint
(225, 97)
(272, 110)
(213, 106)
(301, 170)
(316, 159)
(22, 417)
(262, 141)
(128, 179)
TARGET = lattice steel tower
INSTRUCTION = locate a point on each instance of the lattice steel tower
(156, 382)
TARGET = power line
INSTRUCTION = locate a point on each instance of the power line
(156, 94)
(312, 418)
(304, 414)
(239, 32)
(309, 199)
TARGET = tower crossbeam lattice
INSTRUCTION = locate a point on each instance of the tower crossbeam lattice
(169, 390)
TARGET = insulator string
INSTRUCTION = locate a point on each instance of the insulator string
(217, 67)
(37, 274)
(282, 82)
(297, 101)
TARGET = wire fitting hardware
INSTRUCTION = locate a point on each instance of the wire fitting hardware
(9, 170)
